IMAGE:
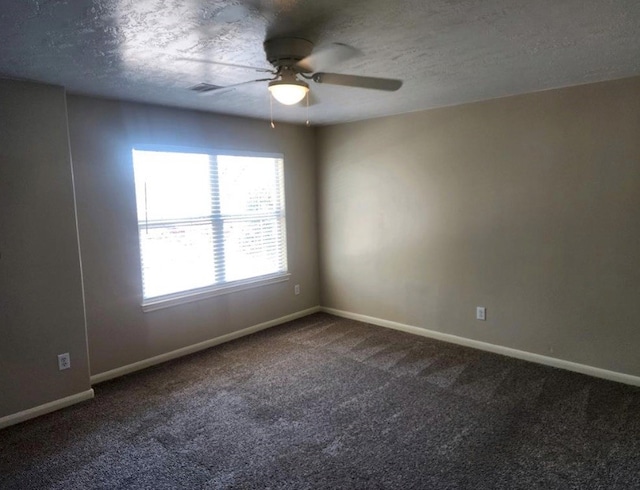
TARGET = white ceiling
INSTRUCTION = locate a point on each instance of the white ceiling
(446, 51)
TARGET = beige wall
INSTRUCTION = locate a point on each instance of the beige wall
(41, 307)
(102, 135)
(528, 205)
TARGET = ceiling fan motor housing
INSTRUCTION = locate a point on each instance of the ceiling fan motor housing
(286, 52)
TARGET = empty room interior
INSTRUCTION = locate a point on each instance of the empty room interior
(319, 244)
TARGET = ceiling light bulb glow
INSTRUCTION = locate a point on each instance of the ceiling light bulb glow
(288, 93)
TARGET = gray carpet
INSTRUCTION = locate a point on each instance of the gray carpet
(324, 402)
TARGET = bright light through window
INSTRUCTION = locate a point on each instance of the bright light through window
(208, 221)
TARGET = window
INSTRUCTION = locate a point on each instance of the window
(208, 223)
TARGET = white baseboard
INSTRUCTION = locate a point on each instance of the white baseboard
(31, 413)
(497, 349)
(136, 366)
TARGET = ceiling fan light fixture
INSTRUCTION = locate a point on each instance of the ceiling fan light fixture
(288, 92)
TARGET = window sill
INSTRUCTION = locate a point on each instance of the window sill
(192, 295)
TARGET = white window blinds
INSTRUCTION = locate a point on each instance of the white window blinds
(207, 221)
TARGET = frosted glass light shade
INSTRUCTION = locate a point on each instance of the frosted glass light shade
(288, 93)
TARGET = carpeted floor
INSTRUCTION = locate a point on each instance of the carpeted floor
(324, 402)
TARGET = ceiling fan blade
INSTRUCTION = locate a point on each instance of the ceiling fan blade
(326, 56)
(209, 89)
(388, 84)
(232, 65)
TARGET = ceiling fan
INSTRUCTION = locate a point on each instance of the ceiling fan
(294, 60)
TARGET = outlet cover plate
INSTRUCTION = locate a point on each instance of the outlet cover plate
(64, 361)
(481, 313)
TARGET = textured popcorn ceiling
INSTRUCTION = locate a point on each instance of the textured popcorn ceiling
(446, 51)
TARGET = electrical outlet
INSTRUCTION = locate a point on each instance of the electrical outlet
(64, 361)
(296, 289)
(481, 313)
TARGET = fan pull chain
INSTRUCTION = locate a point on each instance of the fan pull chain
(307, 108)
(273, 126)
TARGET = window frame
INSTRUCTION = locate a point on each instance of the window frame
(198, 294)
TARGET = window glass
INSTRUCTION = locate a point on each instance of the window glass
(207, 220)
